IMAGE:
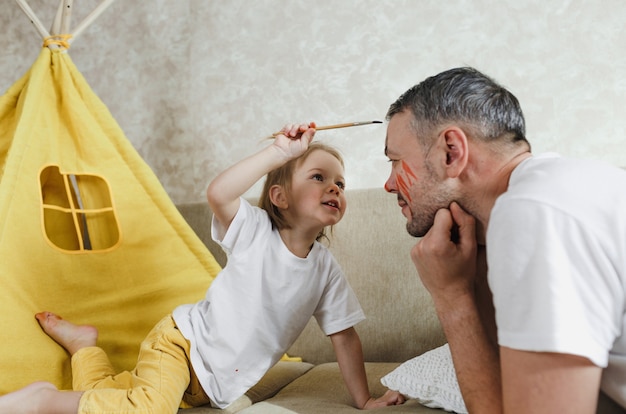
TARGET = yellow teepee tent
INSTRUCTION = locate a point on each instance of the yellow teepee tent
(86, 230)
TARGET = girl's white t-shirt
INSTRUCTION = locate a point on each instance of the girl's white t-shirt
(556, 247)
(259, 304)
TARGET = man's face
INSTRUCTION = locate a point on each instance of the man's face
(413, 179)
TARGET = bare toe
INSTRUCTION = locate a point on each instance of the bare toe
(69, 336)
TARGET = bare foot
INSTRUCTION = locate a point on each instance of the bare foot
(69, 336)
(27, 399)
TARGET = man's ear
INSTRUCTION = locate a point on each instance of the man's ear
(278, 197)
(457, 151)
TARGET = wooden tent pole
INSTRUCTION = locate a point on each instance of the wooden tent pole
(90, 18)
(66, 16)
(61, 24)
(33, 18)
(56, 24)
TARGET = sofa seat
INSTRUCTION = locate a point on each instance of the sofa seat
(322, 390)
(319, 390)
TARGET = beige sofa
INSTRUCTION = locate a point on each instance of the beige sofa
(372, 246)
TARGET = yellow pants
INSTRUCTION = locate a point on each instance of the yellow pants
(162, 379)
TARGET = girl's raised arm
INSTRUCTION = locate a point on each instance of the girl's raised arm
(225, 190)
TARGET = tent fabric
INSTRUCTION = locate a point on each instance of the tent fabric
(86, 229)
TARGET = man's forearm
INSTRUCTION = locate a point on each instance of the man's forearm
(475, 356)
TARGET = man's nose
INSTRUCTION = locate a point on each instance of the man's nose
(390, 184)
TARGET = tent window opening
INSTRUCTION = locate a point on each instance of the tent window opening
(78, 214)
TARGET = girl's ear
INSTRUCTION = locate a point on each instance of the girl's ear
(278, 197)
(456, 151)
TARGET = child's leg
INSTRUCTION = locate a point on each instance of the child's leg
(81, 340)
(194, 394)
(43, 397)
(156, 385)
(91, 368)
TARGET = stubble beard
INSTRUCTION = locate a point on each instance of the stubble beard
(427, 199)
(419, 224)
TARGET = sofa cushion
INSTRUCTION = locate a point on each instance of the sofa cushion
(276, 378)
(273, 381)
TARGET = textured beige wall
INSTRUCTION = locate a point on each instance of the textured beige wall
(196, 84)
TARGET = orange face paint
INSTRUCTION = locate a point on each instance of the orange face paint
(408, 171)
(403, 188)
(405, 179)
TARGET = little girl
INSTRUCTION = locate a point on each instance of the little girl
(278, 275)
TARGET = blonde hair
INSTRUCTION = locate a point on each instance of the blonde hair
(282, 176)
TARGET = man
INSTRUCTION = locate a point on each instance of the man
(554, 232)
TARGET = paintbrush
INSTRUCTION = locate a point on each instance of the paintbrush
(346, 125)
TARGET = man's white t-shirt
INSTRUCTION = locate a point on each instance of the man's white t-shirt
(259, 304)
(556, 246)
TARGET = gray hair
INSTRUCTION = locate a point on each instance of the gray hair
(484, 108)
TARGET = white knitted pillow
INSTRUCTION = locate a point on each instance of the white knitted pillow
(430, 379)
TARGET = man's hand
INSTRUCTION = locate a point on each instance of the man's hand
(445, 257)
